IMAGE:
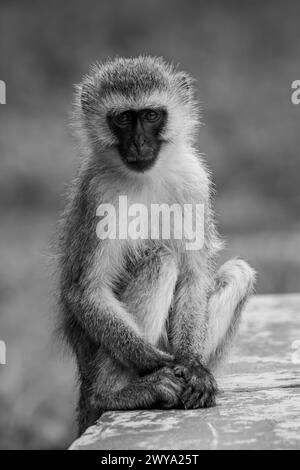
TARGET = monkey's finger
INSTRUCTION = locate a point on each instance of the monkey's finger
(197, 400)
(202, 384)
(208, 400)
(168, 398)
(170, 377)
(183, 372)
(177, 387)
(171, 404)
(203, 399)
(186, 395)
(194, 401)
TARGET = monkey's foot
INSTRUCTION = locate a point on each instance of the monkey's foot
(200, 389)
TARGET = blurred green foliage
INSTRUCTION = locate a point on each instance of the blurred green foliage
(244, 56)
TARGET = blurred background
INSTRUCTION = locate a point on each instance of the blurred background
(244, 55)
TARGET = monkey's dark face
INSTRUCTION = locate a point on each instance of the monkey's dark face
(139, 136)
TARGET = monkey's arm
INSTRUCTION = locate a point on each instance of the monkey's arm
(188, 321)
(188, 333)
(87, 294)
(108, 324)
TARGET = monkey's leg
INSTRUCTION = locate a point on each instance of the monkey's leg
(149, 295)
(234, 283)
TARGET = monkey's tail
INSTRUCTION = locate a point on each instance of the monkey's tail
(234, 283)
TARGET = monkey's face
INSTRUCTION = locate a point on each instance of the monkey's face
(135, 114)
(139, 135)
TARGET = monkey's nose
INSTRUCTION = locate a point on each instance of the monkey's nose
(139, 142)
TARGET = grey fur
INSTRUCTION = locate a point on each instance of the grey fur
(118, 366)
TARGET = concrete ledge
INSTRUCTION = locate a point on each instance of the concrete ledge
(259, 403)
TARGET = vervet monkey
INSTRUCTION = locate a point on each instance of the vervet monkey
(147, 319)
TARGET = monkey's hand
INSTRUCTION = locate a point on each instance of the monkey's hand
(200, 386)
(167, 387)
(155, 360)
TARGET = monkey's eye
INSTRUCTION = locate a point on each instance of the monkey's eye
(123, 118)
(151, 116)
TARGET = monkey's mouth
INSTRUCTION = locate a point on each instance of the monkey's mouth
(140, 160)
(141, 165)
